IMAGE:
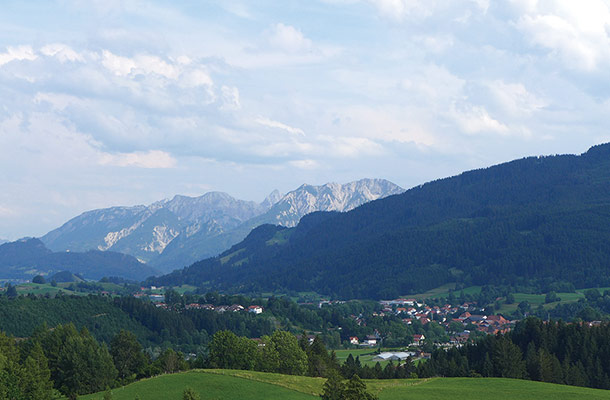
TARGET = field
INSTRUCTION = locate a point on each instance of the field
(534, 299)
(366, 356)
(443, 291)
(245, 385)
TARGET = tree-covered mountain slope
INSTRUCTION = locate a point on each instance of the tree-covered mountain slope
(537, 220)
(23, 259)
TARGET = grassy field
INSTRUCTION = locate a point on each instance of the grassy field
(42, 289)
(208, 385)
(366, 356)
(443, 291)
(536, 299)
(245, 385)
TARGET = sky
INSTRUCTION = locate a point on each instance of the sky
(109, 102)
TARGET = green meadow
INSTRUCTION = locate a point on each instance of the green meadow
(245, 385)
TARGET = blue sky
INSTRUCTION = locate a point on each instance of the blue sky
(107, 102)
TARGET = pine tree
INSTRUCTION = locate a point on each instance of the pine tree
(333, 387)
(190, 394)
(355, 389)
(37, 382)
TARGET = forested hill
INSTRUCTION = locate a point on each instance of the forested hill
(26, 258)
(538, 220)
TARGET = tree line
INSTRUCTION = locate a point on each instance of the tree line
(572, 354)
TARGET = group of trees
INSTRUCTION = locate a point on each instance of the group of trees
(572, 354)
(354, 389)
(71, 362)
(281, 352)
(352, 367)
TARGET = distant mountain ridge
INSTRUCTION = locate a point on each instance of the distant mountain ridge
(537, 222)
(25, 258)
(174, 233)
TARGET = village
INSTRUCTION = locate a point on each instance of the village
(460, 322)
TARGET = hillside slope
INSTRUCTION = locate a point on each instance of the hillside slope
(538, 220)
(249, 385)
(23, 259)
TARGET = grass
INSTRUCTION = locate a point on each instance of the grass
(42, 289)
(366, 355)
(483, 388)
(536, 299)
(245, 385)
(208, 385)
(443, 291)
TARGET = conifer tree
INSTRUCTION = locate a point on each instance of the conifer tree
(333, 387)
(355, 389)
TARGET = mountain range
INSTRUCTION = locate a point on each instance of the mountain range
(539, 223)
(169, 234)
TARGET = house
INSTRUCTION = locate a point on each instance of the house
(235, 308)
(255, 309)
(465, 315)
(417, 339)
(498, 319)
(157, 297)
(353, 340)
(372, 340)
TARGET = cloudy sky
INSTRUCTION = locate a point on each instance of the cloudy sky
(109, 102)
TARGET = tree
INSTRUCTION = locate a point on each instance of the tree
(190, 394)
(333, 387)
(127, 356)
(227, 350)
(292, 359)
(83, 366)
(507, 359)
(39, 279)
(551, 297)
(11, 291)
(37, 377)
(355, 389)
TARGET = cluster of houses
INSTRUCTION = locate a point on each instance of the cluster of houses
(468, 315)
(411, 310)
(159, 302)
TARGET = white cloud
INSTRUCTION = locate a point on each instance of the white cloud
(142, 64)
(17, 54)
(149, 159)
(475, 120)
(515, 99)
(289, 38)
(400, 9)
(344, 146)
(269, 123)
(304, 164)
(116, 64)
(230, 98)
(7, 212)
(62, 52)
(576, 32)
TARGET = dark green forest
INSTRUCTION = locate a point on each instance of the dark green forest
(571, 354)
(519, 223)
